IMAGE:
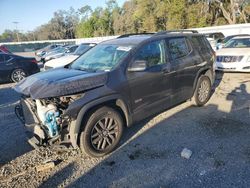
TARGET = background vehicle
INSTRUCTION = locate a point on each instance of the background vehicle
(218, 36)
(114, 85)
(65, 60)
(235, 55)
(4, 50)
(44, 50)
(15, 68)
(213, 43)
(226, 39)
(58, 52)
(214, 39)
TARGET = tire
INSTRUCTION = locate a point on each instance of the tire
(96, 139)
(203, 91)
(17, 75)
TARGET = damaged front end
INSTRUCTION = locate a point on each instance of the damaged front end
(46, 98)
(45, 119)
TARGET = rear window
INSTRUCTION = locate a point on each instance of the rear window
(178, 47)
(201, 43)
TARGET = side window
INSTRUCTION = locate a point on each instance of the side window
(153, 53)
(7, 57)
(178, 47)
(201, 44)
(1, 58)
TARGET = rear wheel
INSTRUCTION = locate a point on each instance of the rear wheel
(102, 132)
(17, 75)
(203, 91)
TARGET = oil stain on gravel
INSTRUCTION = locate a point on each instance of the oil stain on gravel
(147, 153)
(222, 127)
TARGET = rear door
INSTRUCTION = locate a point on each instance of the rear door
(5, 66)
(150, 90)
(181, 56)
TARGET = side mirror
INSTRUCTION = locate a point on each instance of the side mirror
(138, 66)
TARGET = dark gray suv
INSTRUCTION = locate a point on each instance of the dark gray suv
(117, 83)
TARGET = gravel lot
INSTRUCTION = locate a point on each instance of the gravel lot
(149, 155)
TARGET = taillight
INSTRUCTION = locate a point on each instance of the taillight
(34, 61)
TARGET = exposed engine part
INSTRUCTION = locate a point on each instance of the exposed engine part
(49, 116)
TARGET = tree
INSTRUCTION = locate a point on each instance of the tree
(232, 10)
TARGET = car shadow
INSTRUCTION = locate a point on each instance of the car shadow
(149, 155)
(12, 133)
(60, 176)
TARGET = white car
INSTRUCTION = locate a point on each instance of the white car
(65, 60)
(234, 56)
(212, 43)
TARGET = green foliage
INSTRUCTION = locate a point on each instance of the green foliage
(136, 16)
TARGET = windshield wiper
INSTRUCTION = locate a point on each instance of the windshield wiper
(85, 69)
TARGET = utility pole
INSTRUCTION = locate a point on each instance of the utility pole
(17, 35)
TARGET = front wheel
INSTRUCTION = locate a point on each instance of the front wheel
(17, 75)
(102, 132)
(203, 91)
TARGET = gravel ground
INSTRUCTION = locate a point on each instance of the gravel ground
(150, 153)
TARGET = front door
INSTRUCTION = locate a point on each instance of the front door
(150, 90)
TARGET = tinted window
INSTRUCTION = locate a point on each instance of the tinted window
(153, 53)
(1, 58)
(82, 49)
(7, 57)
(238, 43)
(72, 49)
(200, 43)
(103, 57)
(178, 47)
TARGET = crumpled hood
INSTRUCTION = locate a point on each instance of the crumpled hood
(59, 82)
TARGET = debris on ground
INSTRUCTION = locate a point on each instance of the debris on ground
(186, 153)
(46, 166)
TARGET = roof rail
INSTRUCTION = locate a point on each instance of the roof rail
(134, 34)
(176, 31)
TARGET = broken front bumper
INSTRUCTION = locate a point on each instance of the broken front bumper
(25, 113)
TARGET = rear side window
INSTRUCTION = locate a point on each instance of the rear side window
(201, 44)
(178, 47)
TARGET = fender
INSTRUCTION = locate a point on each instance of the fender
(75, 125)
(206, 71)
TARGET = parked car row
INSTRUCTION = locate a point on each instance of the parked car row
(58, 52)
(69, 57)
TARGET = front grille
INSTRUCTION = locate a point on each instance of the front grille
(229, 59)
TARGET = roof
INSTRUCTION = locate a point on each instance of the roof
(135, 39)
(241, 37)
(130, 40)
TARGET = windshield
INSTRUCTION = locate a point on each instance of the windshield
(103, 57)
(238, 43)
(82, 49)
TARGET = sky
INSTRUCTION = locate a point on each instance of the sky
(33, 13)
